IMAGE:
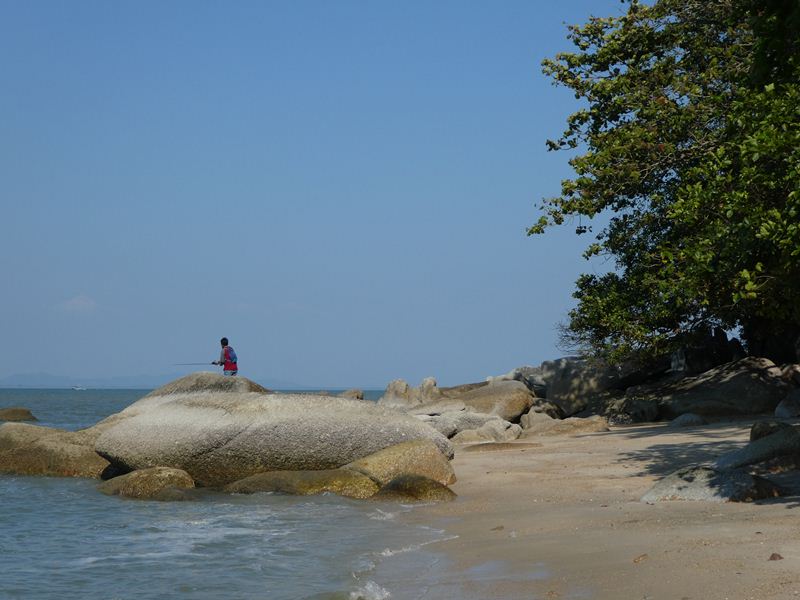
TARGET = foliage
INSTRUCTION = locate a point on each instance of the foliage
(690, 141)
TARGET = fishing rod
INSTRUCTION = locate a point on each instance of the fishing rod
(191, 364)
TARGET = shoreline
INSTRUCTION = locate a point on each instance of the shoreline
(563, 520)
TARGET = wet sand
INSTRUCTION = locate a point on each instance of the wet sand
(563, 520)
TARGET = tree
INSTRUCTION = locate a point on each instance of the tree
(690, 142)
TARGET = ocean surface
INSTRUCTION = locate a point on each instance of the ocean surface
(61, 539)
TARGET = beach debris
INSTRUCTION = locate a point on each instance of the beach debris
(775, 556)
(640, 558)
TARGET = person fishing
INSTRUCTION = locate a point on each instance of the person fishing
(227, 359)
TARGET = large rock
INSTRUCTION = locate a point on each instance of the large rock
(789, 407)
(156, 483)
(219, 438)
(33, 450)
(495, 430)
(569, 426)
(399, 394)
(745, 387)
(784, 441)
(16, 413)
(415, 488)
(450, 424)
(508, 400)
(571, 382)
(206, 381)
(417, 457)
(342, 482)
(688, 420)
(703, 483)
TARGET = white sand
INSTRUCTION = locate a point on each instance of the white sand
(564, 520)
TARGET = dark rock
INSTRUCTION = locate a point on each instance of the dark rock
(703, 483)
(762, 429)
(16, 413)
(781, 442)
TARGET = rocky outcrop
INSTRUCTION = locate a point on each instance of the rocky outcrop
(508, 400)
(342, 482)
(571, 382)
(156, 483)
(703, 483)
(354, 394)
(417, 457)
(414, 488)
(208, 382)
(219, 438)
(784, 441)
(745, 387)
(33, 450)
(16, 413)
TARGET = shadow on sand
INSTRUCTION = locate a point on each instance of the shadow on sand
(706, 444)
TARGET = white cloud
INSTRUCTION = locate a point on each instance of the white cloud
(78, 304)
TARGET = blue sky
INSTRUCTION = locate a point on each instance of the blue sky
(341, 188)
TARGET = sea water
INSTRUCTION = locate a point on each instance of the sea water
(62, 539)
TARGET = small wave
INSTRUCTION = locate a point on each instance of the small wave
(413, 547)
(370, 591)
(382, 515)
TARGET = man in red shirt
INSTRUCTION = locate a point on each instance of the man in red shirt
(227, 359)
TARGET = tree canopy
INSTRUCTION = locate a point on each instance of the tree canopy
(688, 138)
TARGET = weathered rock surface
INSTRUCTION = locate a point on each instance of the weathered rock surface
(703, 483)
(533, 418)
(495, 430)
(33, 450)
(507, 399)
(354, 394)
(688, 420)
(417, 457)
(156, 483)
(789, 407)
(207, 382)
(569, 426)
(745, 387)
(16, 413)
(784, 441)
(451, 423)
(414, 488)
(219, 438)
(572, 381)
(343, 482)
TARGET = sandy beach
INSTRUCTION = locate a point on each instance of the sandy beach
(561, 517)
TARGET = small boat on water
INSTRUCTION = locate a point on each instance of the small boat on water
(78, 388)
